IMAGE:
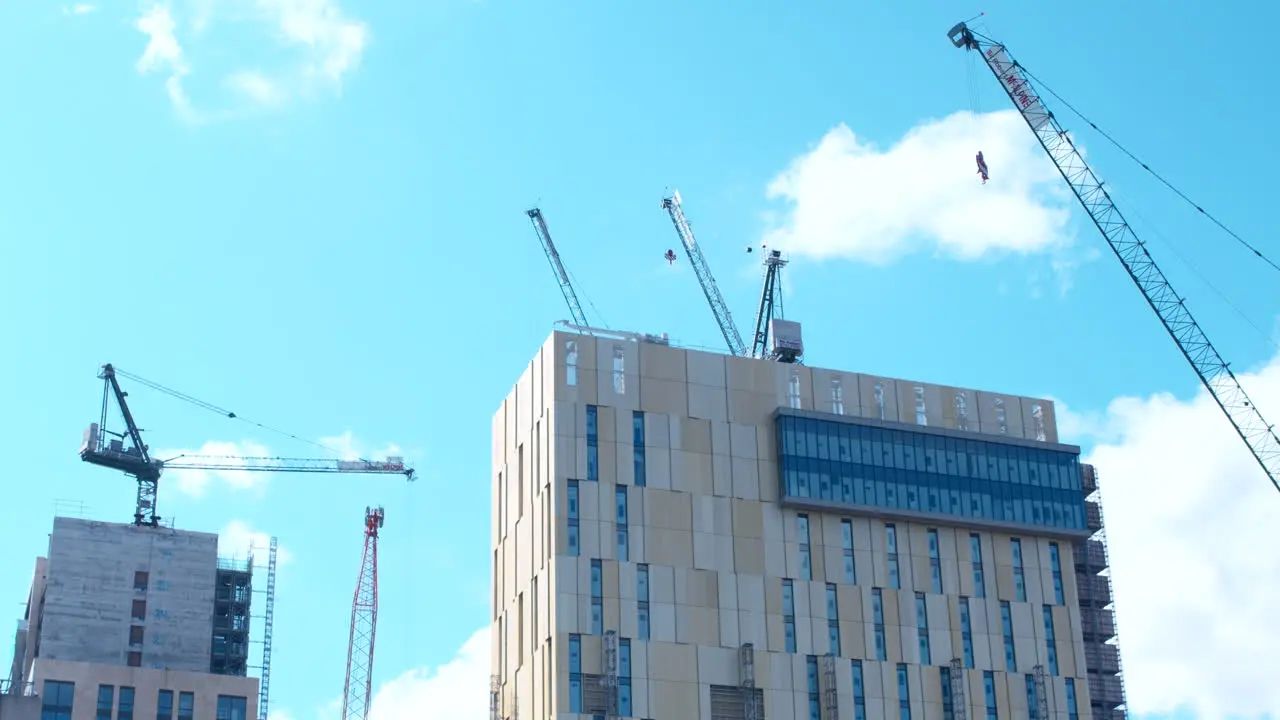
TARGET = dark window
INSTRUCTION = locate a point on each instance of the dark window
(56, 700)
(186, 705)
(125, 709)
(593, 448)
(139, 609)
(135, 658)
(231, 707)
(164, 705)
(140, 579)
(135, 635)
(106, 701)
(637, 441)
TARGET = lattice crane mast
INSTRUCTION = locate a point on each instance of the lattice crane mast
(771, 309)
(358, 688)
(125, 451)
(1171, 308)
(709, 288)
(557, 266)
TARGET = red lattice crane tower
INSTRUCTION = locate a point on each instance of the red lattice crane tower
(357, 693)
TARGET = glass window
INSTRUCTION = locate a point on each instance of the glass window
(593, 442)
(624, 657)
(935, 562)
(922, 628)
(124, 710)
(846, 543)
(989, 690)
(1051, 644)
(904, 694)
(619, 371)
(789, 615)
(877, 613)
(642, 597)
(571, 362)
(948, 708)
(572, 541)
(891, 546)
(1032, 701)
(1006, 628)
(859, 693)
(231, 707)
(975, 553)
(164, 705)
(620, 497)
(833, 620)
(637, 441)
(815, 699)
(56, 700)
(624, 696)
(1019, 582)
(1072, 712)
(1055, 563)
(966, 632)
(106, 701)
(186, 705)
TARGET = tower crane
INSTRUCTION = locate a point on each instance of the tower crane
(770, 313)
(553, 257)
(709, 288)
(358, 687)
(125, 451)
(1171, 308)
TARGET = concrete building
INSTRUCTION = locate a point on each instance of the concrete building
(142, 621)
(683, 535)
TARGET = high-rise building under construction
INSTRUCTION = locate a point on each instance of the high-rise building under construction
(682, 535)
(130, 621)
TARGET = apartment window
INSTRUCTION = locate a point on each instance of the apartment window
(877, 617)
(642, 600)
(124, 709)
(922, 413)
(966, 632)
(619, 371)
(793, 391)
(837, 396)
(186, 705)
(1055, 562)
(802, 536)
(1006, 628)
(620, 500)
(815, 693)
(989, 690)
(922, 629)
(789, 614)
(140, 579)
(574, 545)
(846, 547)
(904, 694)
(164, 705)
(1033, 709)
(1050, 644)
(962, 412)
(575, 673)
(106, 701)
(519, 481)
(597, 598)
(624, 678)
(975, 555)
(519, 630)
(56, 701)
(637, 440)
(891, 544)
(935, 562)
(135, 635)
(878, 394)
(1019, 583)
(593, 441)
(1072, 712)
(1001, 418)
(948, 706)
(571, 362)
(134, 659)
(833, 619)
(859, 693)
(139, 610)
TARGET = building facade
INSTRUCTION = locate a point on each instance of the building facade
(135, 621)
(681, 534)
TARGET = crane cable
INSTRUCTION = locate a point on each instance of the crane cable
(1148, 168)
(220, 410)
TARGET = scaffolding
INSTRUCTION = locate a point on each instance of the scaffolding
(959, 706)
(830, 698)
(233, 590)
(1042, 694)
(1097, 609)
(610, 679)
(747, 681)
(264, 684)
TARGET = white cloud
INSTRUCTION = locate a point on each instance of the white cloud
(237, 540)
(324, 45)
(1189, 515)
(848, 199)
(456, 690)
(350, 448)
(78, 9)
(220, 455)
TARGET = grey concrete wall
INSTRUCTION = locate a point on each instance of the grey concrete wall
(90, 594)
(19, 707)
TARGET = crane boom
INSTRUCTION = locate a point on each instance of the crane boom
(1171, 308)
(770, 302)
(553, 257)
(709, 288)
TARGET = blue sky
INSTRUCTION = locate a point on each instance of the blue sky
(311, 213)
